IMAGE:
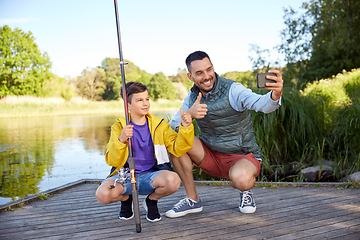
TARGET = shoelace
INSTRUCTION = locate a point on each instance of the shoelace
(246, 198)
(182, 202)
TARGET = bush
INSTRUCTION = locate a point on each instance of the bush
(321, 122)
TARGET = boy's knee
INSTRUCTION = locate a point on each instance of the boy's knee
(173, 182)
(102, 197)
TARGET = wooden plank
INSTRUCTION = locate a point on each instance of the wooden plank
(34, 197)
(200, 226)
(336, 233)
(50, 210)
(306, 215)
(75, 213)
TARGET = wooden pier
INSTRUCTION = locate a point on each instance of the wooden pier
(290, 212)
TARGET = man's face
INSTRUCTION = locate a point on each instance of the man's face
(203, 75)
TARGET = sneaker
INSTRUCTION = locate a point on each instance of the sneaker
(126, 212)
(152, 212)
(184, 207)
(247, 202)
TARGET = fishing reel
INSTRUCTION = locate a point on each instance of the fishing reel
(122, 172)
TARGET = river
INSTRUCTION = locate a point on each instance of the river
(40, 153)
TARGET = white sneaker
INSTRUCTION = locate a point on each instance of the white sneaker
(247, 202)
(185, 206)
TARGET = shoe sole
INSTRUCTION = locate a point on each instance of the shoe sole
(183, 213)
(247, 210)
(146, 209)
(124, 218)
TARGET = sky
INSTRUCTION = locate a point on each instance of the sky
(156, 35)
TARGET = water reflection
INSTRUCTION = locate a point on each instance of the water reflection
(40, 153)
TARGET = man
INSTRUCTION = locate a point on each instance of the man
(227, 146)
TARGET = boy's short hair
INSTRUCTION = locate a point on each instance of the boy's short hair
(198, 55)
(133, 87)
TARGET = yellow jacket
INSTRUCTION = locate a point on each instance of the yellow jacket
(163, 136)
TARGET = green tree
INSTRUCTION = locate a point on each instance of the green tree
(260, 58)
(248, 78)
(56, 86)
(336, 40)
(23, 67)
(111, 66)
(161, 87)
(181, 77)
(133, 73)
(91, 83)
(321, 39)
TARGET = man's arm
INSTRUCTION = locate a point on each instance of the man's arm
(242, 98)
(197, 110)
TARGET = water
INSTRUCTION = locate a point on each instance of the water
(40, 153)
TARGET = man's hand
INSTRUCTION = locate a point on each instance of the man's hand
(198, 110)
(126, 133)
(186, 119)
(276, 87)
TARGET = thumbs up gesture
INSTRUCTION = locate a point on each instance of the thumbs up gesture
(198, 110)
(186, 119)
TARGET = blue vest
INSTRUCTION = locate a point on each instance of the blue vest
(223, 129)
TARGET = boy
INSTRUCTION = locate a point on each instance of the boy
(151, 138)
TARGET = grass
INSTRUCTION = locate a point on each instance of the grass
(13, 208)
(319, 123)
(43, 196)
(26, 106)
(322, 122)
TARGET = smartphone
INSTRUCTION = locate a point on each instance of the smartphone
(261, 79)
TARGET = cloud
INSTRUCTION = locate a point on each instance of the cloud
(17, 20)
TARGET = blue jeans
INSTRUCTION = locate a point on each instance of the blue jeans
(143, 183)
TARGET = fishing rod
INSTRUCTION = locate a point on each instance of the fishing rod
(131, 161)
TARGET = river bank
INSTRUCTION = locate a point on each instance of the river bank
(26, 106)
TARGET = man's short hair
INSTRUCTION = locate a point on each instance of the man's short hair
(133, 87)
(198, 55)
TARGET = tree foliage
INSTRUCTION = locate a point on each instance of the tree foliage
(112, 78)
(111, 67)
(335, 44)
(321, 39)
(161, 87)
(56, 86)
(181, 77)
(23, 67)
(91, 83)
(248, 78)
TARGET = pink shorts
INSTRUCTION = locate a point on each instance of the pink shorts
(218, 164)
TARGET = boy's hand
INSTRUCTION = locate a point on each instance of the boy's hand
(126, 133)
(186, 119)
(198, 110)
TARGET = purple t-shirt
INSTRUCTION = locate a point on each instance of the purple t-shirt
(143, 149)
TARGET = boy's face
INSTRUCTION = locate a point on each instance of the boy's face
(140, 104)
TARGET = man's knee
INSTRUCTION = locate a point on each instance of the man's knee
(242, 174)
(244, 182)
